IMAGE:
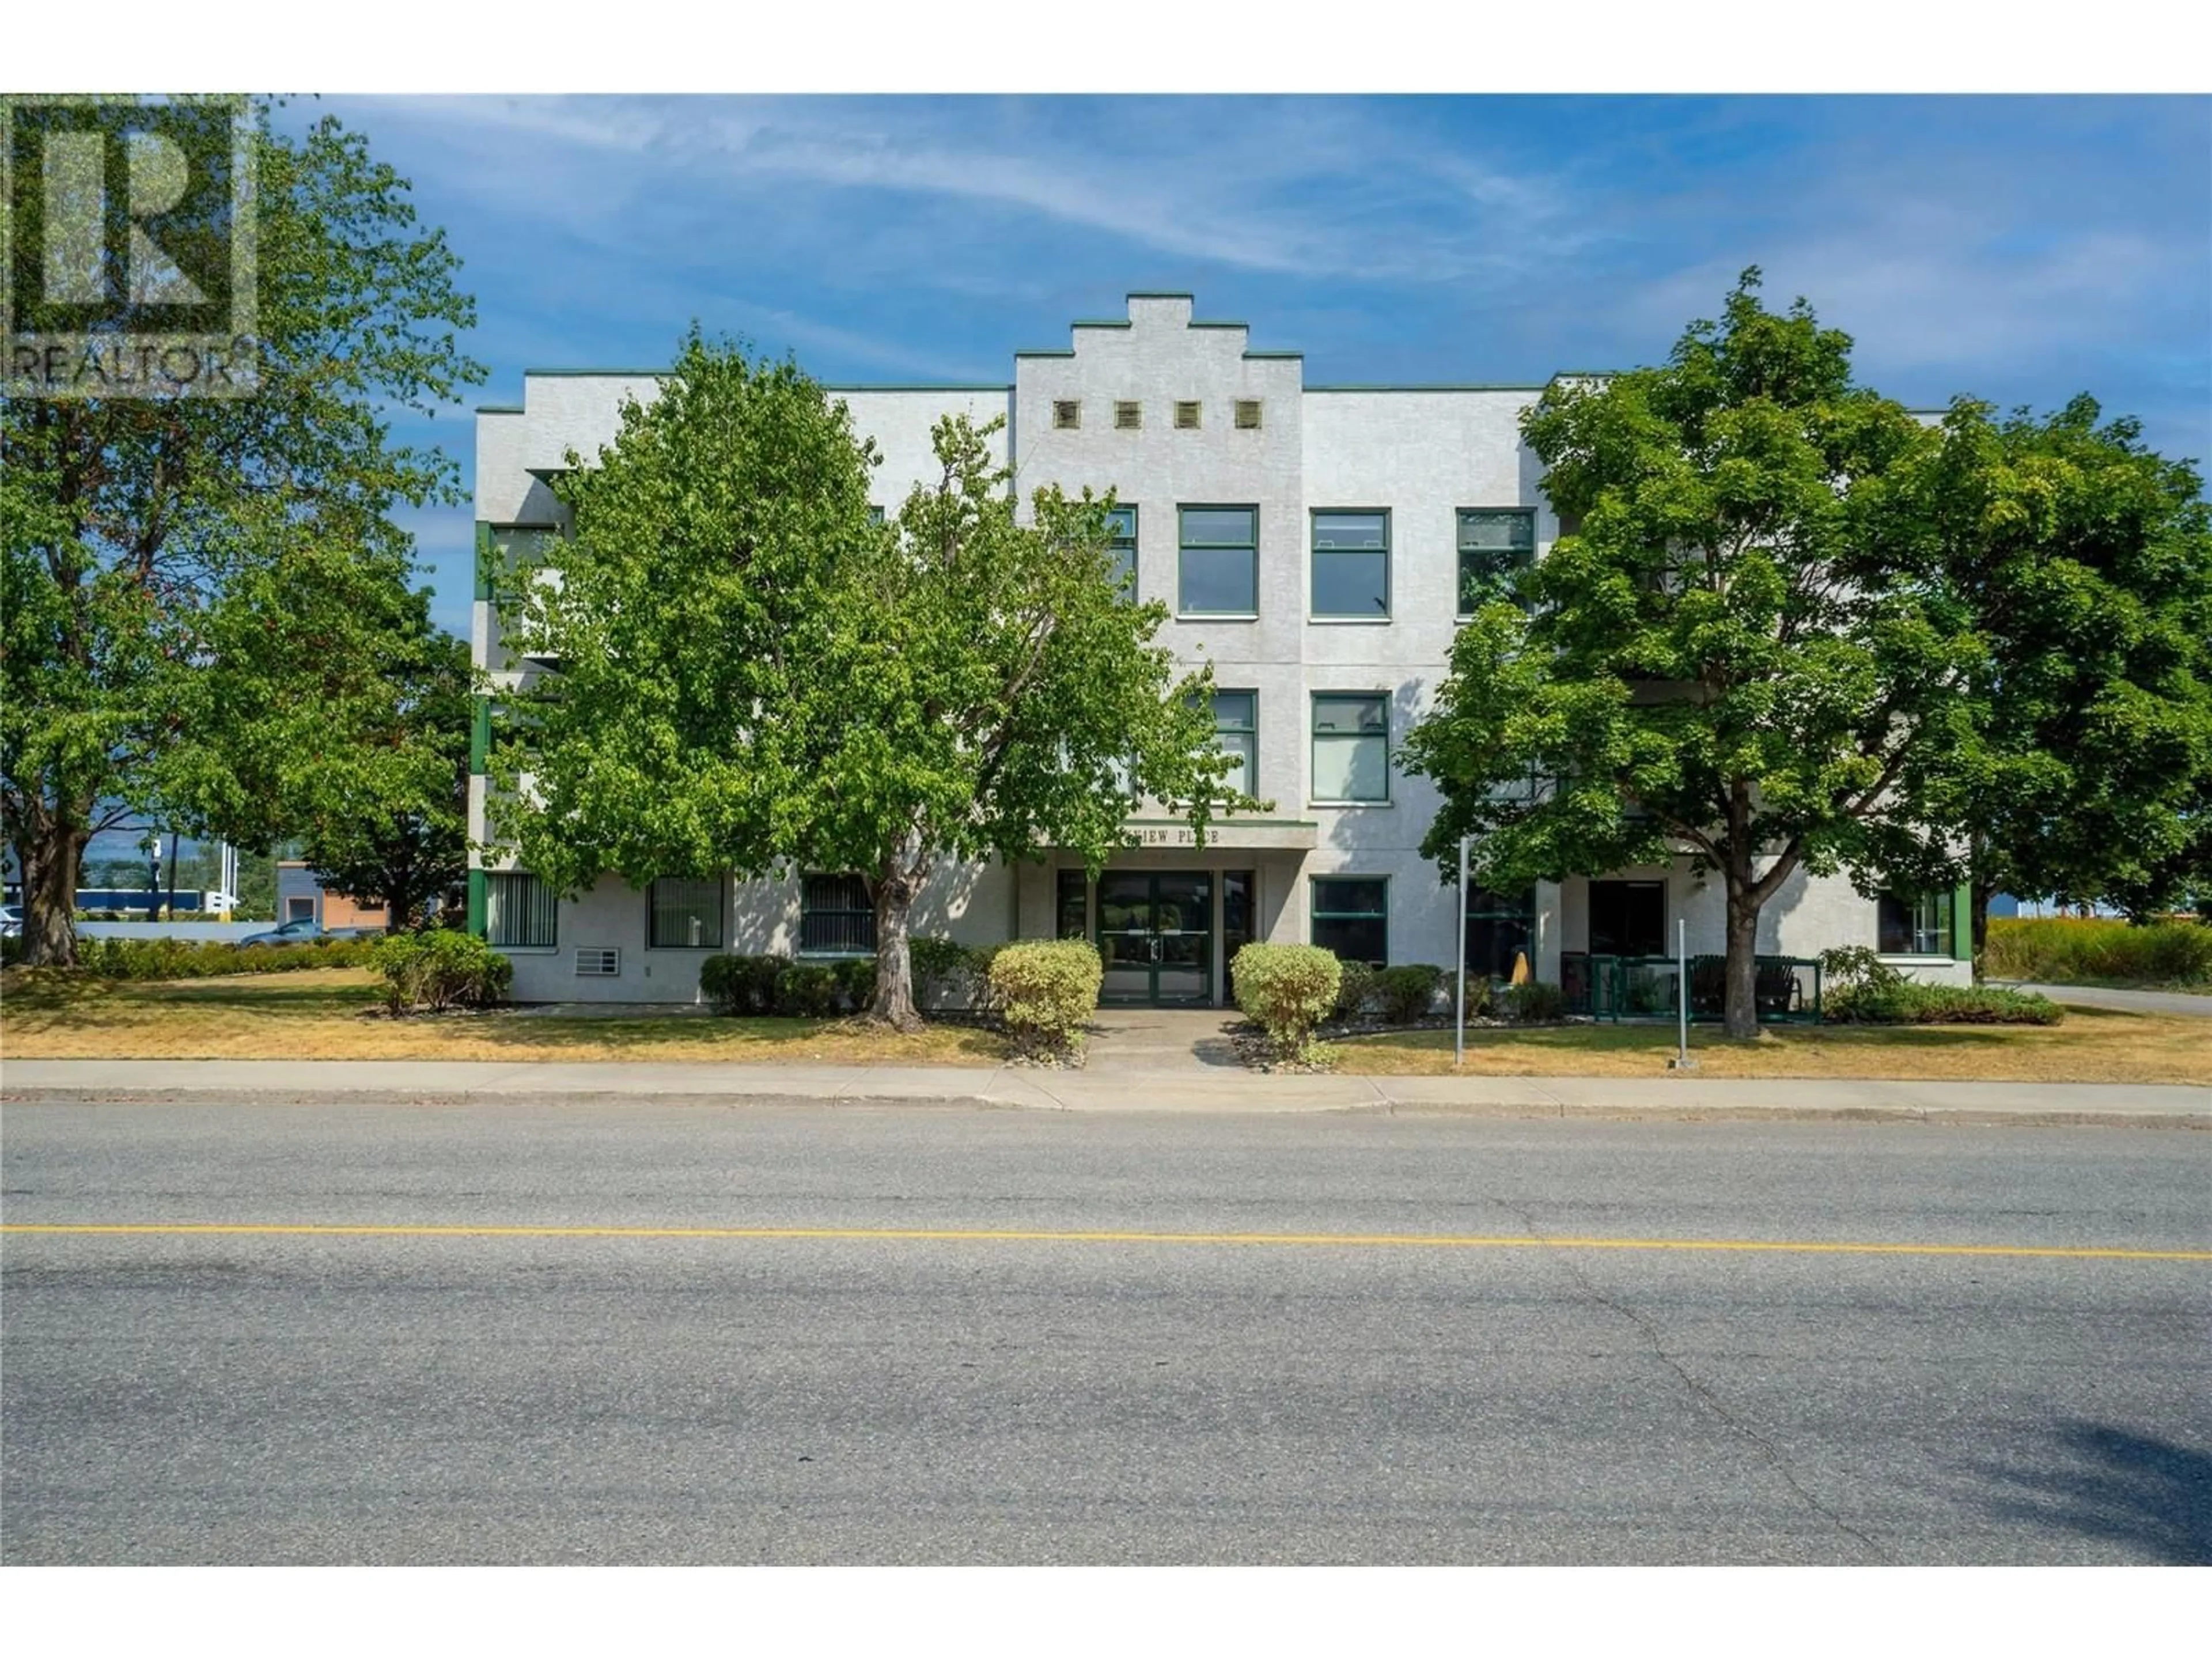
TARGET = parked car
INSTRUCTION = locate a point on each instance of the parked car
(305, 931)
(11, 921)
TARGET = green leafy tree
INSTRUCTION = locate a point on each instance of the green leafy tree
(754, 676)
(2080, 759)
(387, 814)
(1735, 658)
(142, 536)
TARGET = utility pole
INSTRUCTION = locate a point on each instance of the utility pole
(1459, 979)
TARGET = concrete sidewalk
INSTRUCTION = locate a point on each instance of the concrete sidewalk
(1124, 1089)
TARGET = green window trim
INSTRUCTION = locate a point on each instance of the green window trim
(1962, 922)
(1378, 911)
(1362, 734)
(1344, 536)
(479, 892)
(1121, 542)
(1245, 730)
(1196, 532)
(1485, 563)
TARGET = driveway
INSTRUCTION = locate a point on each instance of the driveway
(2133, 1002)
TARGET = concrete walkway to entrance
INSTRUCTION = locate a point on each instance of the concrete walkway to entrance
(1162, 1040)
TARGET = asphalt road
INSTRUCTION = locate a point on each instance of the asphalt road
(1284, 1389)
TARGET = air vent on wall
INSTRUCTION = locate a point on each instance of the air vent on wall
(1187, 417)
(1066, 414)
(1247, 414)
(598, 962)
(1128, 417)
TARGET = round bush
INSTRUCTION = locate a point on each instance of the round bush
(1046, 990)
(1287, 990)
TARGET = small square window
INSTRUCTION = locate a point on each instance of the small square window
(1247, 414)
(1066, 414)
(1187, 417)
(1128, 416)
(835, 917)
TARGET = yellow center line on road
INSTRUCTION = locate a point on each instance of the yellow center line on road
(1019, 1235)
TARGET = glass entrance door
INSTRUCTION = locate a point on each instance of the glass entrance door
(1155, 936)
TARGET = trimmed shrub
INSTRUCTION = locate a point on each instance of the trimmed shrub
(1046, 991)
(1909, 1003)
(1355, 991)
(856, 982)
(1537, 1002)
(439, 970)
(1287, 990)
(2064, 950)
(178, 958)
(1408, 994)
(1852, 968)
(738, 984)
(806, 990)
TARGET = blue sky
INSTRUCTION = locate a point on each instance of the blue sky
(2019, 248)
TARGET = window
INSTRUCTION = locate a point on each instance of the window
(1247, 414)
(835, 917)
(1628, 919)
(1352, 917)
(1501, 927)
(1236, 724)
(1351, 746)
(1066, 414)
(1072, 905)
(1128, 416)
(1187, 417)
(875, 515)
(520, 912)
(1352, 565)
(1495, 544)
(507, 548)
(685, 912)
(1910, 925)
(298, 909)
(1220, 565)
(1121, 529)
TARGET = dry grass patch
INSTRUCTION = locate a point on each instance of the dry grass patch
(2093, 1045)
(331, 1013)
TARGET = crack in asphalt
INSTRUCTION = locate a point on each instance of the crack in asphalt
(1698, 1391)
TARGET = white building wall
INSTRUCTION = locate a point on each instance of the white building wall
(1420, 453)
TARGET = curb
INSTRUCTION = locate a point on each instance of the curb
(1384, 1106)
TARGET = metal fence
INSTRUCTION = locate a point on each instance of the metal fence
(1787, 989)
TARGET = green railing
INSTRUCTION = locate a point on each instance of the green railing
(1787, 989)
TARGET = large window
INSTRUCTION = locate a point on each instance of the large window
(1352, 917)
(1495, 544)
(1351, 566)
(684, 913)
(520, 911)
(1121, 522)
(1351, 746)
(1913, 925)
(1236, 726)
(1628, 919)
(835, 916)
(1072, 904)
(1501, 928)
(1220, 563)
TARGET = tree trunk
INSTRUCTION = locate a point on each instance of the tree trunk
(171, 908)
(50, 865)
(1981, 923)
(893, 997)
(1739, 1010)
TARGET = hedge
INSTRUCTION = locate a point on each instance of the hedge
(1287, 990)
(1046, 991)
(768, 984)
(179, 958)
(440, 969)
(1408, 994)
(1910, 1003)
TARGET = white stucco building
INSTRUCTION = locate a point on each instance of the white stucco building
(1310, 542)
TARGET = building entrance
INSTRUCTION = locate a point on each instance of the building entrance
(1155, 936)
